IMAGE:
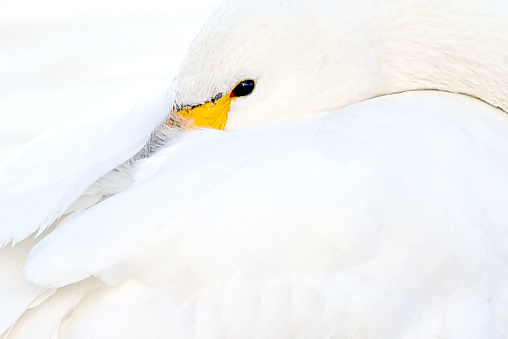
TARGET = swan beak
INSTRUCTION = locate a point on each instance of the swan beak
(213, 114)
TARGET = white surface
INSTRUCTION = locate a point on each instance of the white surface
(61, 58)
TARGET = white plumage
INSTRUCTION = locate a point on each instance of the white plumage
(383, 219)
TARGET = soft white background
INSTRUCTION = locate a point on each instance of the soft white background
(59, 58)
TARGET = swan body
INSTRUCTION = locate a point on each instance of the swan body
(337, 224)
(383, 219)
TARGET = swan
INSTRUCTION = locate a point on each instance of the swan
(359, 189)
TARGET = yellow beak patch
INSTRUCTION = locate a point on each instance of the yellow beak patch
(213, 114)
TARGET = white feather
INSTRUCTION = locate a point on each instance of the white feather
(377, 220)
(43, 179)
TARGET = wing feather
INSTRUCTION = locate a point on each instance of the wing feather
(46, 176)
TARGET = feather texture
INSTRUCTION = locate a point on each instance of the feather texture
(375, 220)
(58, 166)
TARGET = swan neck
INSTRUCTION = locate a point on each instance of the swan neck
(453, 46)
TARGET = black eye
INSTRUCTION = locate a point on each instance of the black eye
(242, 89)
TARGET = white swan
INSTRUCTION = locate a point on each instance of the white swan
(383, 219)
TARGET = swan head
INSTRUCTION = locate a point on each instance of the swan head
(264, 61)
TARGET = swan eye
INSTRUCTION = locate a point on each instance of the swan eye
(242, 89)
